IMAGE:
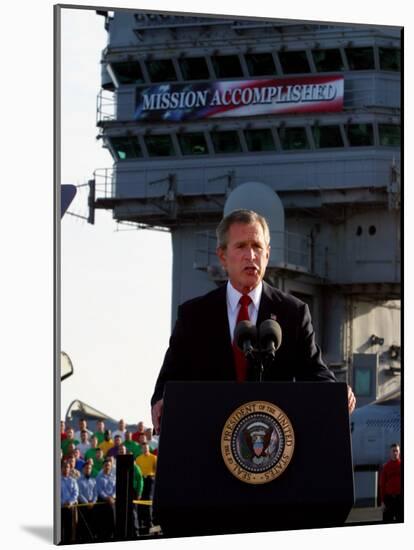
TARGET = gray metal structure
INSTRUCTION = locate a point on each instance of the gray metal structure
(333, 203)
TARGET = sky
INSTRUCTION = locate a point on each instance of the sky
(115, 280)
(27, 282)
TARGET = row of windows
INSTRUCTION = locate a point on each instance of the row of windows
(258, 64)
(256, 140)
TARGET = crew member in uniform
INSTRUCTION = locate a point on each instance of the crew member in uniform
(201, 346)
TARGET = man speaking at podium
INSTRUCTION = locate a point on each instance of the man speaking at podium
(201, 346)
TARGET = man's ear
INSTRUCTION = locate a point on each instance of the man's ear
(221, 253)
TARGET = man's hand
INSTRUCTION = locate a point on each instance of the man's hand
(351, 400)
(156, 413)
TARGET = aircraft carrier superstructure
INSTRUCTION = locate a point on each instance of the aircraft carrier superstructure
(298, 120)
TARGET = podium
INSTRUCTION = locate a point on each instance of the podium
(211, 479)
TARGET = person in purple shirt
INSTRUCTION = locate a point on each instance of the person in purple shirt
(114, 451)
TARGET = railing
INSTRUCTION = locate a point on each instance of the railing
(289, 250)
(104, 183)
(105, 106)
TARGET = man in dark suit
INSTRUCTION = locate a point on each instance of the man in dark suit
(201, 344)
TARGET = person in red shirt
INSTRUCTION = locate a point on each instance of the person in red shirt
(62, 430)
(390, 487)
(140, 431)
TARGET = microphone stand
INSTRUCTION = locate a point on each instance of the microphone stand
(254, 360)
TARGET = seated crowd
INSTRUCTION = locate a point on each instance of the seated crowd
(88, 480)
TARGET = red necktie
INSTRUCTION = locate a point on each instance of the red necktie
(239, 358)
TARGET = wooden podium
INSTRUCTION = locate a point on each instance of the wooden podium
(197, 492)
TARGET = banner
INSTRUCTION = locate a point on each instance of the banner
(238, 98)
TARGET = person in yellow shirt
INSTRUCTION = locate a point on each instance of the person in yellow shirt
(107, 443)
(148, 464)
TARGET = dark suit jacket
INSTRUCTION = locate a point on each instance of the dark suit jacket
(200, 346)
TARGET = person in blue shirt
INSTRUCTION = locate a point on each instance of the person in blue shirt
(106, 488)
(69, 493)
(87, 514)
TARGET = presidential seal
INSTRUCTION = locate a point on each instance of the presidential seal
(257, 442)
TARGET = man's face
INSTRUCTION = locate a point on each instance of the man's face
(100, 426)
(142, 439)
(62, 426)
(107, 467)
(395, 453)
(84, 437)
(140, 427)
(87, 469)
(70, 448)
(117, 440)
(70, 433)
(246, 256)
(66, 469)
(121, 425)
(82, 424)
(122, 450)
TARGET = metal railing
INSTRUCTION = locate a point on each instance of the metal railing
(104, 183)
(289, 250)
(105, 106)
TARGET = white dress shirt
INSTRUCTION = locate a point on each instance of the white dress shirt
(233, 305)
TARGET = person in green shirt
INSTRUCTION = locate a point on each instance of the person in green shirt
(98, 461)
(100, 431)
(91, 452)
(70, 439)
(131, 445)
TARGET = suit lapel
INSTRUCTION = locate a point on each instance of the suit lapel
(268, 305)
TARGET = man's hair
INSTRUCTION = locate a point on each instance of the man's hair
(394, 445)
(240, 216)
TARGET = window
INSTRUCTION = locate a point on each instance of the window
(327, 60)
(260, 64)
(389, 135)
(362, 382)
(127, 72)
(259, 140)
(360, 59)
(294, 62)
(360, 135)
(159, 145)
(226, 142)
(227, 66)
(327, 136)
(161, 70)
(194, 68)
(193, 144)
(126, 147)
(293, 138)
(390, 59)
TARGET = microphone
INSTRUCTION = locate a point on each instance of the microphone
(270, 337)
(245, 336)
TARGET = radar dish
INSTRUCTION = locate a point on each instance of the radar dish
(66, 367)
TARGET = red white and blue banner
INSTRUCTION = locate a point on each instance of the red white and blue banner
(239, 98)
